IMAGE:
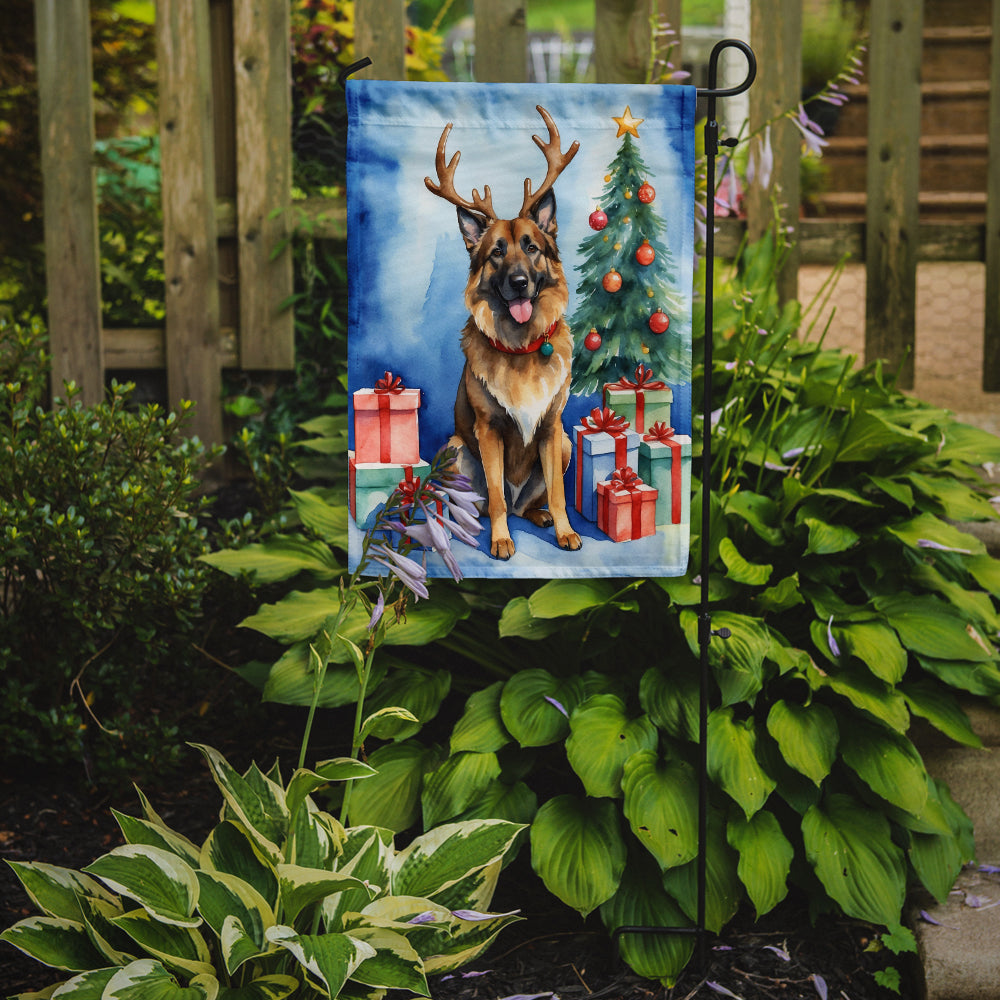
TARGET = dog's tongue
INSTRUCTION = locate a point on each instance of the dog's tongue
(520, 309)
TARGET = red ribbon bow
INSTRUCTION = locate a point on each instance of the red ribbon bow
(659, 432)
(605, 420)
(389, 383)
(643, 380)
(408, 489)
(625, 479)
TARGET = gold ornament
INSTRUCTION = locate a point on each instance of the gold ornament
(628, 194)
(607, 178)
(649, 293)
(618, 246)
(645, 349)
(627, 220)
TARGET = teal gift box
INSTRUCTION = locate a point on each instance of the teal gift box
(602, 443)
(370, 484)
(665, 462)
(643, 401)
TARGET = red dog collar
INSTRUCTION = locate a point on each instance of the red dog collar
(528, 348)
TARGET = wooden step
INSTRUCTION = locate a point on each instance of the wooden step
(956, 53)
(945, 12)
(957, 206)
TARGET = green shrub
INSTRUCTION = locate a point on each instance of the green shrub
(101, 584)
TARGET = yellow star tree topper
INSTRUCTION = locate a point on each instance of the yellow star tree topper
(626, 123)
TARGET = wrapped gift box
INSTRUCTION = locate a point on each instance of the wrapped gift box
(370, 484)
(385, 423)
(626, 507)
(643, 401)
(665, 462)
(602, 443)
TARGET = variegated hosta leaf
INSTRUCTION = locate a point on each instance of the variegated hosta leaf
(116, 946)
(391, 799)
(765, 858)
(158, 880)
(147, 979)
(467, 941)
(807, 736)
(56, 891)
(141, 831)
(578, 851)
(177, 947)
(481, 727)
(315, 838)
(304, 782)
(274, 987)
(367, 853)
(230, 849)
(329, 959)
(535, 706)
(54, 941)
(256, 801)
(602, 738)
(661, 805)
(225, 897)
(395, 964)
(476, 890)
(301, 887)
(850, 847)
(86, 986)
(642, 902)
(732, 760)
(456, 784)
(888, 763)
(441, 857)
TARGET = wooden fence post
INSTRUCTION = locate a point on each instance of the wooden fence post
(262, 61)
(991, 331)
(501, 38)
(72, 255)
(892, 214)
(190, 251)
(776, 35)
(623, 37)
(380, 34)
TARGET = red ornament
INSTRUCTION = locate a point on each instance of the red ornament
(612, 281)
(659, 321)
(598, 219)
(593, 340)
(645, 255)
(647, 193)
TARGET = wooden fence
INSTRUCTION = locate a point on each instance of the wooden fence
(226, 159)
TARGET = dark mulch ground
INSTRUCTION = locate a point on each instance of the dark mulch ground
(551, 951)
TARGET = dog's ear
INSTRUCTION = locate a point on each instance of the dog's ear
(472, 226)
(544, 213)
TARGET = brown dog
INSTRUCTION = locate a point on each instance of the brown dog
(508, 412)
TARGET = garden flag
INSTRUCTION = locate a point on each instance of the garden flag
(520, 289)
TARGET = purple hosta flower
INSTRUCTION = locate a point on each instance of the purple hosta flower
(719, 988)
(475, 915)
(559, 705)
(531, 996)
(990, 869)
(427, 917)
(928, 543)
(820, 983)
(729, 195)
(811, 132)
(780, 952)
(761, 163)
(410, 573)
(927, 918)
(834, 648)
(465, 975)
(377, 612)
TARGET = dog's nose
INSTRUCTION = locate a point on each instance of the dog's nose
(519, 283)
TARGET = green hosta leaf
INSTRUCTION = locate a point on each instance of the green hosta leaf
(515, 803)
(54, 941)
(975, 605)
(56, 891)
(147, 979)
(738, 661)
(180, 948)
(418, 691)
(956, 500)
(387, 723)
(888, 763)
(965, 443)
(391, 798)
(292, 680)
(330, 959)
(160, 882)
(395, 964)
(661, 800)
(986, 572)
(671, 700)
(732, 760)
(304, 782)
(301, 887)
(739, 569)
(327, 520)
(578, 851)
(941, 709)
(481, 728)
(641, 901)
(937, 858)
(260, 809)
(976, 678)
(894, 489)
(517, 620)
(931, 628)
(226, 898)
(438, 859)
(876, 646)
(279, 558)
(142, 831)
(456, 784)
(869, 436)
(530, 706)
(602, 738)
(230, 849)
(723, 889)
(864, 691)
(850, 848)
(807, 736)
(783, 595)
(760, 512)
(560, 598)
(928, 528)
(684, 592)
(828, 539)
(275, 987)
(765, 858)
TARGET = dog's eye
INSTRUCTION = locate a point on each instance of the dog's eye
(531, 248)
(498, 251)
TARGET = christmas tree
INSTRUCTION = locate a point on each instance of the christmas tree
(630, 310)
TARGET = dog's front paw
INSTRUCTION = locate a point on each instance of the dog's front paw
(502, 548)
(569, 540)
